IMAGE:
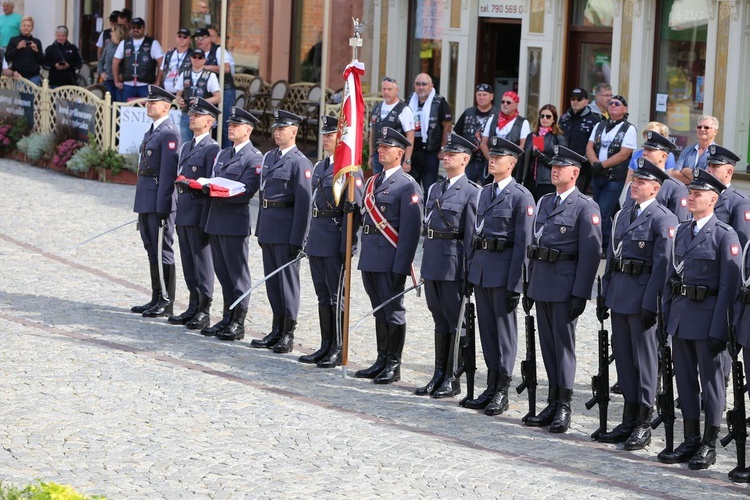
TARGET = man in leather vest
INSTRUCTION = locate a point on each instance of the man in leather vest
(138, 58)
(213, 54)
(176, 60)
(470, 126)
(577, 123)
(393, 113)
(432, 124)
(193, 83)
(155, 199)
(508, 124)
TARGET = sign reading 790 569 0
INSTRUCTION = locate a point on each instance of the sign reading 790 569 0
(512, 9)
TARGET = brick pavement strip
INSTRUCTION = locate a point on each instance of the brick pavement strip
(130, 408)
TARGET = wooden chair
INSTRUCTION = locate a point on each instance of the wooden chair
(276, 100)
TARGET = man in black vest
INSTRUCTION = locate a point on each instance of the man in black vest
(193, 83)
(508, 124)
(213, 57)
(470, 127)
(577, 123)
(432, 124)
(391, 112)
(176, 61)
(140, 57)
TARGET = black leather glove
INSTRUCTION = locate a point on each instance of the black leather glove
(536, 152)
(294, 251)
(350, 207)
(576, 307)
(648, 318)
(527, 303)
(716, 346)
(205, 238)
(398, 281)
(183, 183)
(163, 216)
(511, 301)
(467, 288)
(602, 312)
(596, 168)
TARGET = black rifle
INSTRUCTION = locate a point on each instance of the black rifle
(665, 397)
(528, 365)
(736, 422)
(469, 350)
(600, 381)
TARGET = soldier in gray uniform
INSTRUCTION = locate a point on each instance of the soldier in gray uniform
(673, 194)
(196, 161)
(155, 199)
(637, 262)
(451, 209)
(700, 289)
(326, 247)
(227, 222)
(502, 232)
(733, 206)
(563, 260)
(392, 220)
(282, 227)
(742, 321)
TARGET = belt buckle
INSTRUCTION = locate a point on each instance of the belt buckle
(315, 212)
(430, 234)
(265, 203)
(683, 290)
(485, 244)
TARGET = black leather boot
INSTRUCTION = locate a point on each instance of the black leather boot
(451, 383)
(164, 305)
(183, 318)
(226, 317)
(705, 457)
(273, 336)
(441, 353)
(381, 338)
(499, 402)
(623, 431)
(484, 399)
(202, 316)
(740, 475)
(546, 416)
(286, 342)
(235, 330)
(687, 448)
(561, 422)
(392, 371)
(326, 317)
(155, 291)
(641, 436)
(332, 359)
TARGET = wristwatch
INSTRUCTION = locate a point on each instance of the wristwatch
(408, 162)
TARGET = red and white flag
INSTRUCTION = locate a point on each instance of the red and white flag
(347, 157)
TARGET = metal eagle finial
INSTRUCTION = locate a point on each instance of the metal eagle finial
(359, 27)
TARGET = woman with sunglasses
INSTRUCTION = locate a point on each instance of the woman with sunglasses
(535, 171)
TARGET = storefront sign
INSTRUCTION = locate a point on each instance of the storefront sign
(134, 123)
(81, 117)
(509, 9)
(16, 103)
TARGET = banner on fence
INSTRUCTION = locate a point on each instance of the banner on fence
(134, 123)
(13, 102)
(81, 117)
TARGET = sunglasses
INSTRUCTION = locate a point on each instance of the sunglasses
(200, 38)
(196, 56)
(576, 99)
(182, 36)
(421, 84)
(549, 117)
(392, 80)
(703, 127)
(614, 104)
(507, 102)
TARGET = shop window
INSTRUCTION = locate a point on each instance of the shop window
(680, 67)
(593, 13)
(425, 47)
(307, 44)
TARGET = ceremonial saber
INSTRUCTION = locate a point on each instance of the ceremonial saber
(383, 304)
(99, 236)
(160, 255)
(298, 258)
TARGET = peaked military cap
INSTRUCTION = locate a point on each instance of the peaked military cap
(564, 157)
(654, 140)
(159, 94)
(705, 181)
(457, 144)
(718, 155)
(330, 125)
(390, 137)
(200, 106)
(501, 147)
(649, 171)
(239, 115)
(285, 118)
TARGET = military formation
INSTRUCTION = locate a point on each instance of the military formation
(675, 284)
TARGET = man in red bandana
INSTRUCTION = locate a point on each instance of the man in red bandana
(508, 125)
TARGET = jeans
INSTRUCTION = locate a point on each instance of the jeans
(607, 195)
(424, 168)
(113, 91)
(134, 92)
(476, 170)
(229, 96)
(185, 132)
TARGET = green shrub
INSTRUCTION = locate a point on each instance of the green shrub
(43, 491)
(84, 159)
(35, 146)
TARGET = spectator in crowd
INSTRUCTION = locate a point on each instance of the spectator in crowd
(697, 154)
(104, 66)
(470, 126)
(176, 61)
(62, 60)
(510, 125)
(105, 37)
(660, 129)
(536, 172)
(216, 39)
(577, 123)
(602, 95)
(138, 58)
(24, 53)
(125, 18)
(391, 112)
(213, 53)
(193, 83)
(10, 23)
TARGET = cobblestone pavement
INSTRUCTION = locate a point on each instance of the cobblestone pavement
(126, 407)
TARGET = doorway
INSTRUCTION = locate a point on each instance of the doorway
(589, 59)
(499, 54)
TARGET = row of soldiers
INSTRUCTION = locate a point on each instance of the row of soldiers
(477, 240)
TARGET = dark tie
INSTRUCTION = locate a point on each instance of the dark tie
(558, 200)
(694, 229)
(494, 190)
(379, 180)
(151, 129)
(634, 213)
(446, 185)
(231, 155)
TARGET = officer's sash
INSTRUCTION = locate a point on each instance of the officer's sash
(385, 227)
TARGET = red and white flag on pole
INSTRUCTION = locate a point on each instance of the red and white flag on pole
(347, 157)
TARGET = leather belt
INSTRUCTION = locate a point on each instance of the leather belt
(368, 229)
(431, 234)
(326, 213)
(490, 244)
(693, 292)
(277, 204)
(549, 254)
(632, 266)
(745, 295)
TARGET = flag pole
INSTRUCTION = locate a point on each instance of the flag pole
(355, 42)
